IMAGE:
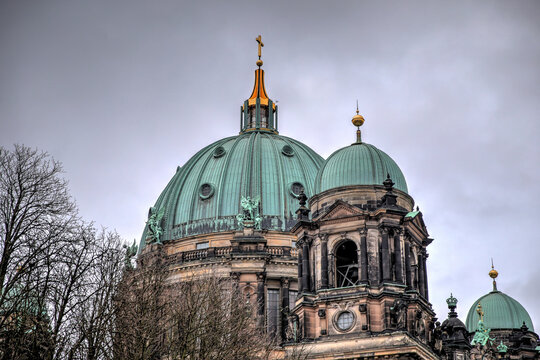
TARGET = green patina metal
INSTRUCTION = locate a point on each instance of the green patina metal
(131, 251)
(481, 335)
(358, 164)
(154, 224)
(249, 217)
(204, 196)
(502, 348)
(412, 214)
(500, 312)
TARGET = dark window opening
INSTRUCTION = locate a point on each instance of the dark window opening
(272, 315)
(346, 264)
(292, 299)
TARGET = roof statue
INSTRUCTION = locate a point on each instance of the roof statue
(481, 336)
(249, 217)
(131, 251)
(154, 224)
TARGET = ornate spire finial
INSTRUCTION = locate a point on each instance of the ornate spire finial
(358, 120)
(259, 112)
(493, 274)
(259, 41)
(302, 212)
(452, 304)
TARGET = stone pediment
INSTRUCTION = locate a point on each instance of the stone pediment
(417, 221)
(338, 210)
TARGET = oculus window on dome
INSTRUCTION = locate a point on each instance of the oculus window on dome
(206, 191)
(219, 152)
(296, 188)
(287, 150)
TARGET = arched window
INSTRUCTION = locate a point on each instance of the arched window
(346, 264)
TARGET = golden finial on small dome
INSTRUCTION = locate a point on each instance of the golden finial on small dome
(357, 120)
(493, 274)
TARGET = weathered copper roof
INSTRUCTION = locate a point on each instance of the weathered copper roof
(358, 164)
(204, 195)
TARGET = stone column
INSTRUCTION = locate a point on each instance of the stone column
(363, 257)
(305, 265)
(408, 269)
(300, 265)
(385, 256)
(284, 305)
(421, 278)
(260, 297)
(397, 255)
(324, 261)
(424, 258)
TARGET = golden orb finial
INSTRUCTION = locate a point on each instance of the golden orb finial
(357, 120)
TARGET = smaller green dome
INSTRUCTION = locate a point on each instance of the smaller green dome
(358, 164)
(500, 312)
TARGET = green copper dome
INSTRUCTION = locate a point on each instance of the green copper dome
(204, 195)
(358, 164)
(500, 312)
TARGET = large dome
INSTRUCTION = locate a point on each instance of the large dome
(204, 195)
(500, 312)
(358, 164)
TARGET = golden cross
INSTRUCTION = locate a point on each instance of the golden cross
(260, 45)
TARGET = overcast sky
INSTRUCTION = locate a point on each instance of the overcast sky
(122, 92)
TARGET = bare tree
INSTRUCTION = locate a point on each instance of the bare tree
(58, 275)
(198, 318)
(142, 310)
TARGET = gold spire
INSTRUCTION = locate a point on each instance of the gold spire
(493, 274)
(259, 90)
(259, 62)
(358, 120)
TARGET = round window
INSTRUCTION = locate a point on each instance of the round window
(296, 189)
(219, 152)
(206, 191)
(345, 320)
(287, 150)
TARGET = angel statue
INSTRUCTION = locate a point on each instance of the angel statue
(249, 217)
(131, 251)
(154, 225)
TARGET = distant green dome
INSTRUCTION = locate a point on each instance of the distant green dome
(500, 312)
(204, 195)
(358, 164)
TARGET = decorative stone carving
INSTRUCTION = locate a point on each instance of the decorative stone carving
(398, 314)
(322, 313)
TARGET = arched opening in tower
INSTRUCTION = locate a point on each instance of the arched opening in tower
(346, 264)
